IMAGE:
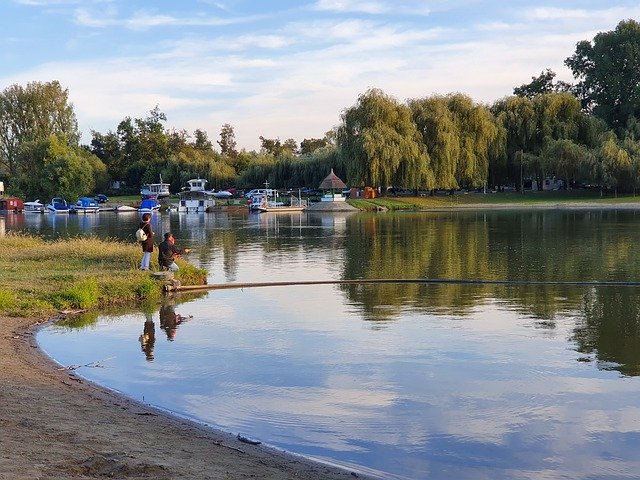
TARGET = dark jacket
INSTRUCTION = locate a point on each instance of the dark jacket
(167, 253)
(147, 245)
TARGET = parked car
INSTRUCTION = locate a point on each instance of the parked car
(259, 191)
(101, 198)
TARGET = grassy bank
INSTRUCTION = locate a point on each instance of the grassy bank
(39, 278)
(438, 201)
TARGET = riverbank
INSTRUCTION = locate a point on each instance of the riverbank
(57, 425)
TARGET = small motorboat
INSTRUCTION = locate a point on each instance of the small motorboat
(125, 208)
(34, 207)
(58, 205)
(149, 205)
(86, 205)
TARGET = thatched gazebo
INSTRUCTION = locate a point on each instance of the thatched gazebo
(332, 183)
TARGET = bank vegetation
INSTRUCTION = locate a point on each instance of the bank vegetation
(39, 278)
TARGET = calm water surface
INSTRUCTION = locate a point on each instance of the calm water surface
(404, 380)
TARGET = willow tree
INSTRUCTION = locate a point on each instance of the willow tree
(615, 165)
(566, 158)
(440, 135)
(381, 145)
(532, 123)
(477, 131)
(518, 117)
(459, 137)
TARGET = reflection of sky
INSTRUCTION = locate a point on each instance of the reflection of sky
(480, 396)
(484, 393)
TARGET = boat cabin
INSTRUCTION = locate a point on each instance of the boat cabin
(11, 204)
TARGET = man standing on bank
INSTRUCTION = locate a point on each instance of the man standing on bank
(147, 245)
(167, 251)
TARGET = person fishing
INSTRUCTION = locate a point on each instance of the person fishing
(167, 253)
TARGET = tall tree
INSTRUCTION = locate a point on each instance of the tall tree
(33, 113)
(608, 70)
(227, 141)
(459, 136)
(381, 145)
(544, 83)
(310, 145)
(201, 141)
(53, 168)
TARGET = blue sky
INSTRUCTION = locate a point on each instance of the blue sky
(283, 68)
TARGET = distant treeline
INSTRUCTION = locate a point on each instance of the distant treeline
(582, 133)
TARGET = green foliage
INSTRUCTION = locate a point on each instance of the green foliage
(33, 114)
(53, 168)
(608, 70)
(542, 84)
(148, 289)
(381, 145)
(84, 294)
(7, 300)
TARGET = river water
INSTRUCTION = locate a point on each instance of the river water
(406, 380)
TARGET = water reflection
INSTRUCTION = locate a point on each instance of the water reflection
(148, 337)
(414, 380)
(169, 319)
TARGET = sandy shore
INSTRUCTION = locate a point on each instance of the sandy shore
(54, 425)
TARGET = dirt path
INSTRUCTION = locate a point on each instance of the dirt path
(54, 425)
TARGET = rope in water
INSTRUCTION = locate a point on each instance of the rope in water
(360, 281)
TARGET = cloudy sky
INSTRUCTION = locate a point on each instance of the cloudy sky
(284, 68)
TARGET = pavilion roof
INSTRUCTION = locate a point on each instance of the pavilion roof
(331, 182)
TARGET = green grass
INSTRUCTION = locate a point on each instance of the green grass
(498, 198)
(39, 278)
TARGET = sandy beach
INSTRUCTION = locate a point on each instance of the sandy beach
(55, 425)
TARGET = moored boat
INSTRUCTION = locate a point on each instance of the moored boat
(34, 207)
(155, 190)
(149, 205)
(86, 205)
(58, 205)
(195, 197)
(125, 208)
(272, 203)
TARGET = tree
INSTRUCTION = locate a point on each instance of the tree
(609, 72)
(565, 158)
(276, 148)
(227, 141)
(31, 114)
(55, 169)
(615, 163)
(310, 145)
(381, 145)
(542, 84)
(459, 137)
(202, 141)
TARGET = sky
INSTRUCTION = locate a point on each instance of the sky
(283, 68)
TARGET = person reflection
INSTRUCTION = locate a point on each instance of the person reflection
(169, 320)
(148, 338)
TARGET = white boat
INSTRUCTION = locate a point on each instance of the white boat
(196, 198)
(58, 205)
(86, 205)
(155, 190)
(34, 207)
(125, 208)
(222, 194)
(271, 203)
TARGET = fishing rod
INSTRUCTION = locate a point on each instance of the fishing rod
(432, 281)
